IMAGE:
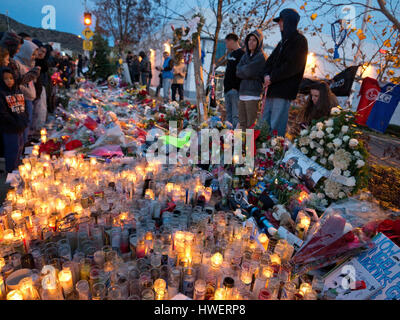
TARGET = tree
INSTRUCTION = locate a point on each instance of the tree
(100, 67)
(380, 25)
(125, 20)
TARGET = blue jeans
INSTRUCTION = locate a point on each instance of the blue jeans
(167, 88)
(276, 113)
(13, 149)
(29, 108)
(231, 106)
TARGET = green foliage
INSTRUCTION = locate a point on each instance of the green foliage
(101, 67)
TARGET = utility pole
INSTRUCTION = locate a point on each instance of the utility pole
(8, 21)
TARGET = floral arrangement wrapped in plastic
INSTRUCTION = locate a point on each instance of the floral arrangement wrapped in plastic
(337, 235)
(334, 145)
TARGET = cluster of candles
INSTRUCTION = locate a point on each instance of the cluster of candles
(216, 258)
(88, 230)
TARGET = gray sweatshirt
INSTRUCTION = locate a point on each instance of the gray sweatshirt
(250, 68)
(24, 63)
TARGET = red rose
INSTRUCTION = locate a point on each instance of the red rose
(275, 132)
(73, 145)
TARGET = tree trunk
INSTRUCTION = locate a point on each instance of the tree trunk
(198, 75)
(216, 36)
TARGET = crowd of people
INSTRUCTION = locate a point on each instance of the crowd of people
(172, 74)
(27, 91)
(250, 76)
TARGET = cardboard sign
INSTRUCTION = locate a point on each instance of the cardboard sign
(374, 274)
(383, 263)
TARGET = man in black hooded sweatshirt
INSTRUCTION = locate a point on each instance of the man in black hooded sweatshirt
(284, 71)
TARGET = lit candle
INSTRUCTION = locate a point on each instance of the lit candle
(246, 277)
(16, 216)
(219, 294)
(159, 287)
(305, 288)
(302, 226)
(15, 295)
(2, 287)
(65, 278)
(216, 260)
(27, 289)
(268, 272)
(263, 238)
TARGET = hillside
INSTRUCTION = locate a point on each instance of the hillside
(67, 40)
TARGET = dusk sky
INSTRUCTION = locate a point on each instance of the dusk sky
(68, 13)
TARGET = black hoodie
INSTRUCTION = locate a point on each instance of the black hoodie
(13, 117)
(250, 68)
(287, 62)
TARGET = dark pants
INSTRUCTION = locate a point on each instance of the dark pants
(29, 108)
(145, 80)
(13, 149)
(178, 87)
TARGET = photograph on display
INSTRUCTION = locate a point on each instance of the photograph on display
(303, 168)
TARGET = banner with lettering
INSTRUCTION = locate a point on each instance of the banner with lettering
(384, 107)
(342, 83)
(369, 91)
(377, 105)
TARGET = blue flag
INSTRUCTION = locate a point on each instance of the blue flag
(384, 107)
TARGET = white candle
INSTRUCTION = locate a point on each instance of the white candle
(65, 278)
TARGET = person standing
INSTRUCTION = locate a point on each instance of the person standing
(145, 70)
(231, 81)
(80, 66)
(40, 103)
(250, 71)
(167, 75)
(13, 118)
(284, 71)
(179, 71)
(25, 60)
(135, 68)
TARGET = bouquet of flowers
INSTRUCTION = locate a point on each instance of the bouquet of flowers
(337, 235)
(334, 145)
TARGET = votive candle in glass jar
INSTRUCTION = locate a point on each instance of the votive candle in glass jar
(15, 295)
(65, 279)
(159, 287)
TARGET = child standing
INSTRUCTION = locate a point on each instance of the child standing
(13, 118)
(4, 57)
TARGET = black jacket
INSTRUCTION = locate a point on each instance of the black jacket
(231, 81)
(13, 116)
(287, 62)
(250, 68)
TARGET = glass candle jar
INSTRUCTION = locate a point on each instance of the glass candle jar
(199, 290)
(82, 287)
(114, 293)
(147, 294)
(99, 291)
